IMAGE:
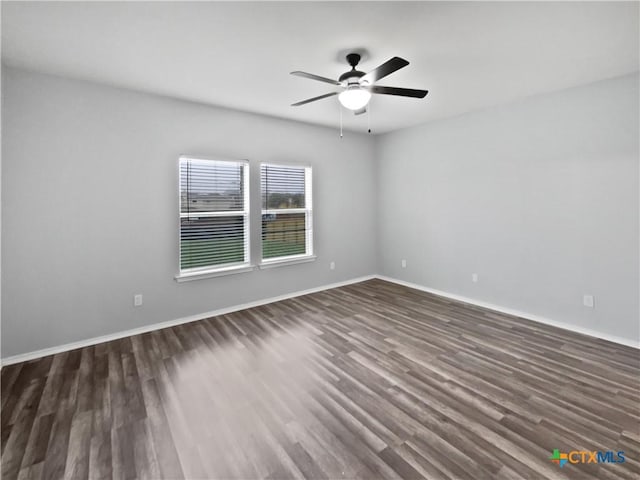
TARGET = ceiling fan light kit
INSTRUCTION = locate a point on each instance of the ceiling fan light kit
(358, 86)
(354, 98)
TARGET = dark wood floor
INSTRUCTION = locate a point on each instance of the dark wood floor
(372, 380)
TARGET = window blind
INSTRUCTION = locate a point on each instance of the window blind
(286, 211)
(214, 214)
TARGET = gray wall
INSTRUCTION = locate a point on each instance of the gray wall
(539, 197)
(90, 206)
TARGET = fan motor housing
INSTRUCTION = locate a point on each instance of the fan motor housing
(351, 74)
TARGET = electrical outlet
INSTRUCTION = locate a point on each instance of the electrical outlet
(474, 277)
(137, 300)
(404, 263)
(332, 266)
(587, 301)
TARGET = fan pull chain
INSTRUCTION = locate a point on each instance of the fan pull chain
(369, 116)
(340, 106)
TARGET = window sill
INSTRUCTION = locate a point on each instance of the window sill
(286, 261)
(220, 272)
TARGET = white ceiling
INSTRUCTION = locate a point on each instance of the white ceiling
(469, 55)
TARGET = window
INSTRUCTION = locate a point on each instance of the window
(214, 215)
(287, 232)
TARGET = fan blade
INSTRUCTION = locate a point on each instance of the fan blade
(309, 100)
(403, 92)
(361, 111)
(316, 77)
(387, 68)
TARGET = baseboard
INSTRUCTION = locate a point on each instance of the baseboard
(23, 357)
(517, 313)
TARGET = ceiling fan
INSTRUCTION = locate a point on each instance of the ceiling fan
(357, 86)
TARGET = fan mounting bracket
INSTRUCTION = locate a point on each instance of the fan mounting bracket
(353, 59)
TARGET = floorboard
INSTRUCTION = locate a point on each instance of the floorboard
(371, 380)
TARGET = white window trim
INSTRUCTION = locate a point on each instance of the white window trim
(185, 275)
(309, 256)
(283, 261)
(209, 273)
(308, 184)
